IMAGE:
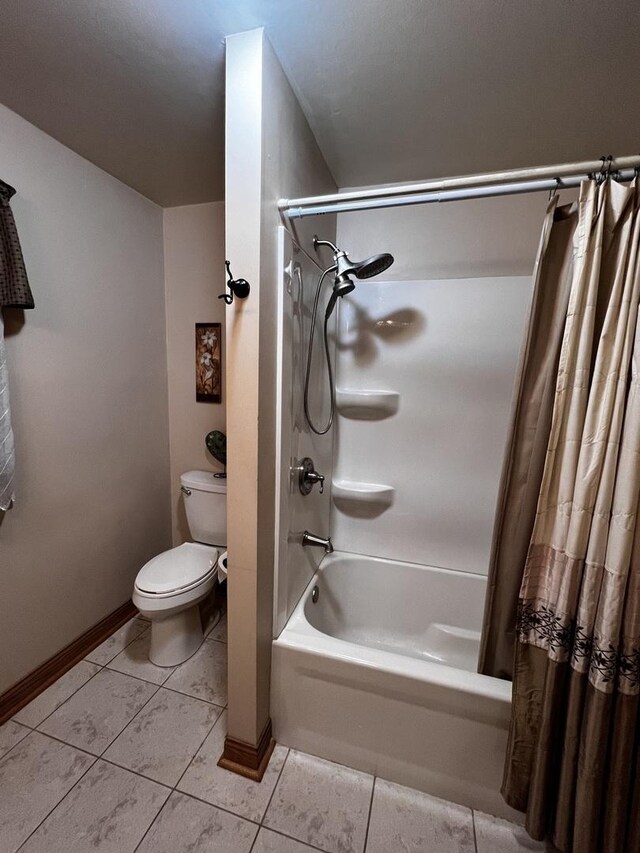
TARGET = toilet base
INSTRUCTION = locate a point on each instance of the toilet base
(176, 638)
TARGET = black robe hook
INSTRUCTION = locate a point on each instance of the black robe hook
(239, 287)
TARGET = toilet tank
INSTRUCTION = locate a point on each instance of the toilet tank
(205, 502)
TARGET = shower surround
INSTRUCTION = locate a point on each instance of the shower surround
(380, 672)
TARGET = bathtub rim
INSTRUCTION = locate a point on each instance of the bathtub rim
(300, 635)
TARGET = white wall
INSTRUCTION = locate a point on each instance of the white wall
(194, 276)
(89, 399)
(271, 152)
(443, 327)
(461, 239)
(449, 349)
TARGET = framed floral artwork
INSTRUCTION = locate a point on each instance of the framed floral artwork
(208, 363)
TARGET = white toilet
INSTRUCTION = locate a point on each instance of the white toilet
(169, 587)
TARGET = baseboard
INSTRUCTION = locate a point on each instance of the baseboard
(23, 691)
(248, 760)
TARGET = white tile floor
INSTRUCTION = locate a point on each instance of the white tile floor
(121, 756)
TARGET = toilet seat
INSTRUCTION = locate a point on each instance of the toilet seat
(177, 571)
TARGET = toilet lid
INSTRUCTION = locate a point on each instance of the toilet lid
(177, 569)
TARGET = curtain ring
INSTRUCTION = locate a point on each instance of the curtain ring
(605, 171)
(554, 190)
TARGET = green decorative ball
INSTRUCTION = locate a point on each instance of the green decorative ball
(216, 442)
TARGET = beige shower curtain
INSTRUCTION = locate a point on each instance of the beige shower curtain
(573, 759)
(529, 436)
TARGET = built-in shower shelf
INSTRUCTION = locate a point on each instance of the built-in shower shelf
(374, 495)
(367, 405)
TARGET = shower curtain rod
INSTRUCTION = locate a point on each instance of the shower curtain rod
(536, 179)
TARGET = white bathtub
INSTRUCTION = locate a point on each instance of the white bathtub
(379, 674)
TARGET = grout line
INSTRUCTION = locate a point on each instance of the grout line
(139, 711)
(164, 683)
(155, 818)
(225, 809)
(64, 702)
(135, 773)
(66, 743)
(126, 645)
(141, 708)
(50, 812)
(191, 696)
(139, 677)
(215, 806)
(215, 624)
(191, 760)
(279, 832)
(366, 833)
(255, 840)
(213, 640)
(264, 813)
(100, 666)
(22, 739)
(99, 754)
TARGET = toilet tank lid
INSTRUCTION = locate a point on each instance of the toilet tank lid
(203, 481)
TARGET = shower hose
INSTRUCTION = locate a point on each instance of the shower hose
(332, 393)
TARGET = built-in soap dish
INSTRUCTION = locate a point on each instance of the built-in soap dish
(367, 405)
(362, 500)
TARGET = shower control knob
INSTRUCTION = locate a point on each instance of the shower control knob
(308, 476)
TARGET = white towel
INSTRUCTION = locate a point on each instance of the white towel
(7, 455)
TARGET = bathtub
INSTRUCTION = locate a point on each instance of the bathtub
(376, 669)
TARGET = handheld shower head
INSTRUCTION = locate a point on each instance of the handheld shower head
(341, 286)
(345, 268)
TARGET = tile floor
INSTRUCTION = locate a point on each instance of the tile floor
(121, 756)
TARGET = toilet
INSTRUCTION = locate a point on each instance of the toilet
(169, 587)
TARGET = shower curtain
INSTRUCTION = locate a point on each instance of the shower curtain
(529, 435)
(573, 757)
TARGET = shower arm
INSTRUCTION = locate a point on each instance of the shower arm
(317, 243)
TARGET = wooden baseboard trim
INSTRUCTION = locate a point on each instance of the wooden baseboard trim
(248, 760)
(25, 690)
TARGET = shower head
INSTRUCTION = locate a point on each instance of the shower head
(373, 266)
(345, 268)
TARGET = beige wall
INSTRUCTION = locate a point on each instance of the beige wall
(271, 152)
(194, 276)
(89, 399)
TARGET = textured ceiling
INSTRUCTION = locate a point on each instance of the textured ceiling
(393, 89)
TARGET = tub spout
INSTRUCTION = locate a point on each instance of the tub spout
(318, 541)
